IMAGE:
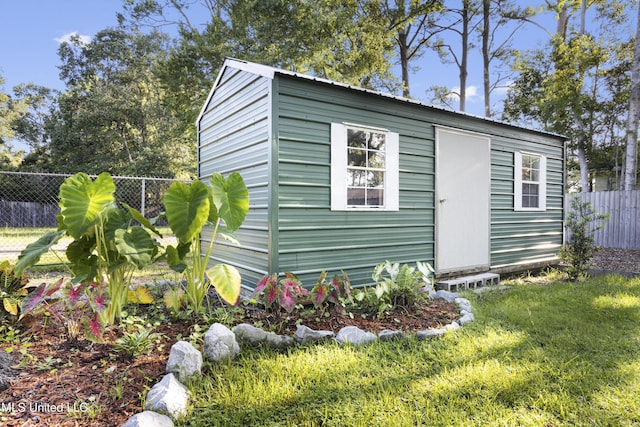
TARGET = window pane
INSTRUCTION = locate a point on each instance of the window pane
(356, 157)
(375, 197)
(356, 178)
(530, 168)
(356, 196)
(530, 195)
(356, 138)
(376, 159)
(377, 141)
(375, 179)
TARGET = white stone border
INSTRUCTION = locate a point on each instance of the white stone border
(170, 396)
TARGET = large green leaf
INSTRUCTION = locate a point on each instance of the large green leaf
(187, 209)
(137, 215)
(32, 253)
(226, 281)
(231, 198)
(136, 245)
(114, 219)
(82, 200)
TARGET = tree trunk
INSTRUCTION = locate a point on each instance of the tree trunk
(584, 170)
(632, 120)
(404, 61)
(465, 52)
(582, 143)
(563, 20)
(486, 16)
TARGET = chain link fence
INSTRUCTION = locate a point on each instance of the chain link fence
(29, 205)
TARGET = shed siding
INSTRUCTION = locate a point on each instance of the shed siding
(313, 238)
(234, 136)
(276, 133)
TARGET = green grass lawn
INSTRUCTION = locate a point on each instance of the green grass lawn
(14, 239)
(538, 355)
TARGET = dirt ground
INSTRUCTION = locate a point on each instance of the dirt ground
(617, 260)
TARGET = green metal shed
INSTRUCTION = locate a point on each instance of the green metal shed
(342, 177)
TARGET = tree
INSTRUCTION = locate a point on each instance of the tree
(410, 24)
(461, 22)
(633, 115)
(561, 87)
(340, 40)
(497, 15)
(112, 116)
(11, 110)
(30, 127)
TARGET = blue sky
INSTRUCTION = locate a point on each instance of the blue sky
(32, 30)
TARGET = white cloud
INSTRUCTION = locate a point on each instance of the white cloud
(84, 39)
(471, 94)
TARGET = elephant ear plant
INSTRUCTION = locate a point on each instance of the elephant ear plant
(107, 247)
(189, 208)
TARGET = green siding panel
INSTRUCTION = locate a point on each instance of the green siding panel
(277, 134)
(234, 136)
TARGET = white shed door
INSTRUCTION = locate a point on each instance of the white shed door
(463, 180)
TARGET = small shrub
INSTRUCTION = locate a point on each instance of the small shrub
(580, 247)
(396, 286)
(137, 343)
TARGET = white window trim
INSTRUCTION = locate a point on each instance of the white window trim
(517, 183)
(339, 170)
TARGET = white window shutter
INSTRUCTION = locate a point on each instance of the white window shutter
(338, 167)
(517, 181)
(392, 166)
(542, 200)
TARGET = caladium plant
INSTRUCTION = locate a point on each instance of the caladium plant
(78, 304)
(336, 292)
(283, 294)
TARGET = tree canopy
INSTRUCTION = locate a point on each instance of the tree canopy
(133, 92)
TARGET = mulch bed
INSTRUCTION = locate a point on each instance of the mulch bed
(61, 383)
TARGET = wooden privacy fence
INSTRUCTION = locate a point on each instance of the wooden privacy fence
(28, 214)
(622, 229)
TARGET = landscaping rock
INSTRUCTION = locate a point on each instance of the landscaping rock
(7, 373)
(184, 361)
(430, 333)
(466, 319)
(354, 335)
(148, 419)
(464, 304)
(256, 337)
(168, 396)
(452, 327)
(388, 335)
(445, 295)
(305, 335)
(220, 344)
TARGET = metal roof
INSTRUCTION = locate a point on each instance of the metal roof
(270, 72)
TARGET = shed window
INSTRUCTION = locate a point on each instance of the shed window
(530, 182)
(364, 168)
